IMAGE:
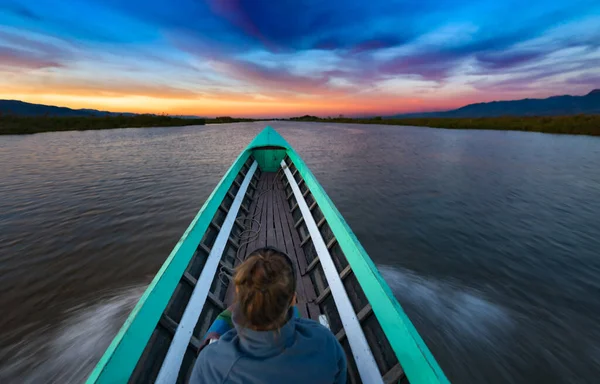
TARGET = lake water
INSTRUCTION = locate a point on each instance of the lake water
(490, 240)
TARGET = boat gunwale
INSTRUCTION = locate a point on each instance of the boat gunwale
(154, 300)
(361, 352)
(413, 354)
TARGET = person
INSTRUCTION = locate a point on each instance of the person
(262, 338)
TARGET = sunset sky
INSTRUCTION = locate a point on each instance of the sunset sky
(285, 58)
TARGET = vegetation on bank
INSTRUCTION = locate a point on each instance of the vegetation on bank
(227, 119)
(13, 125)
(574, 125)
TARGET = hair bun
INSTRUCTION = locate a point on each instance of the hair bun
(271, 273)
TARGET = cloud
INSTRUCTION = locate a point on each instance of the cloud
(30, 51)
(589, 79)
(498, 60)
(276, 80)
(10, 57)
(430, 66)
(39, 84)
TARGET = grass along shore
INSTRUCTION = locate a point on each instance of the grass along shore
(15, 125)
(573, 125)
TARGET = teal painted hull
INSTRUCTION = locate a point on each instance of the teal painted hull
(268, 149)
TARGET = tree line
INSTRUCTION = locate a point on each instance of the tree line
(574, 125)
(12, 125)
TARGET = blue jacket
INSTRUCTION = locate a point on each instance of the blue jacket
(302, 351)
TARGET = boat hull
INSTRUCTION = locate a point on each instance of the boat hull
(268, 197)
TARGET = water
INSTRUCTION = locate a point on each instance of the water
(490, 240)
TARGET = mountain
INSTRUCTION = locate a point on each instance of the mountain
(21, 108)
(555, 105)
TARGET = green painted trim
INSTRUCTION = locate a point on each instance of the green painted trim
(269, 137)
(412, 352)
(121, 357)
(269, 159)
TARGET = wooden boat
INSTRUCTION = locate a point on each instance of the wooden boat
(268, 197)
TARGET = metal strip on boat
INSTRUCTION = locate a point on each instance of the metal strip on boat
(169, 370)
(363, 357)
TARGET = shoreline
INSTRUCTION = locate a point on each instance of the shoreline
(23, 125)
(26, 125)
(568, 125)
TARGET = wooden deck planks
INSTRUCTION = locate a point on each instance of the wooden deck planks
(246, 248)
(286, 235)
(279, 238)
(271, 208)
(271, 233)
(305, 288)
(256, 226)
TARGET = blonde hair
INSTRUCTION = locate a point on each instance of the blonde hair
(265, 285)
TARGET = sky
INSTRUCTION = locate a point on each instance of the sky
(277, 58)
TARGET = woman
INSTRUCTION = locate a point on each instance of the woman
(263, 339)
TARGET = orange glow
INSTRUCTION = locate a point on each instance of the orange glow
(140, 99)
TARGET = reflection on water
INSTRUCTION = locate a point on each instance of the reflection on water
(489, 239)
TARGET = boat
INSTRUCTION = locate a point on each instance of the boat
(268, 197)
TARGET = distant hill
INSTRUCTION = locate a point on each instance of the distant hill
(552, 106)
(21, 108)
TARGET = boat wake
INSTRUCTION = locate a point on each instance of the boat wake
(69, 352)
(451, 310)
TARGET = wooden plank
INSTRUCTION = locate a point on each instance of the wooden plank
(283, 221)
(205, 248)
(279, 235)
(270, 228)
(262, 237)
(313, 310)
(300, 220)
(306, 240)
(191, 281)
(171, 326)
(298, 252)
(304, 288)
(321, 222)
(331, 242)
(361, 316)
(246, 248)
(394, 374)
(250, 224)
(345, 272)
(256, 214)
(312, 264)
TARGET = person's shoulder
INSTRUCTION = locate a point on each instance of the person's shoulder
(214, 361)
(223, 346)
(314, 329)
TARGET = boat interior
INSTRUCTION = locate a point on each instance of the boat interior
(269, 204)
